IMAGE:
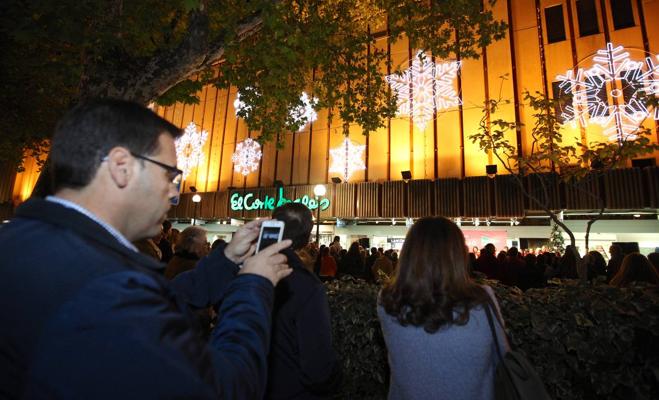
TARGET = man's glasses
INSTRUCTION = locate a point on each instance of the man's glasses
(174, 174)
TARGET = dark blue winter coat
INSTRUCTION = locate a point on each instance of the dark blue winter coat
(84, 317)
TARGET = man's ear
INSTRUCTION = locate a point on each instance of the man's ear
(120, 164)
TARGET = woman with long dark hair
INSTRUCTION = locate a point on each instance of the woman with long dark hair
(434, 322)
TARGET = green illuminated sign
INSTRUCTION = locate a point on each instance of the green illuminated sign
(249, 202)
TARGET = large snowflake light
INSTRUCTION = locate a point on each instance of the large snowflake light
(301, 114)
(189, 148)
(613, 76)
(347, 158)
(424, 88)
(247, 156)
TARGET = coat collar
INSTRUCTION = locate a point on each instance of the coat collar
(67, 218)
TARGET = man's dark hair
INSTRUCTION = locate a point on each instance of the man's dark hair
(299, 223)
(90, 130)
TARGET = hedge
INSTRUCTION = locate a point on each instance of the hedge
(586, 342)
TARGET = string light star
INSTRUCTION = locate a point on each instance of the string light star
(424, 88)
(247, 156)
(347, 158)
(613, 75)
(189, 147)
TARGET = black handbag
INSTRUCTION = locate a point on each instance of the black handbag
(515, 377)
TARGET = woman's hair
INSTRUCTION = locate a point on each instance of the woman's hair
(432, 279)
(635, 267)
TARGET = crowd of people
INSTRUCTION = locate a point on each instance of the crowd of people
(532, 269)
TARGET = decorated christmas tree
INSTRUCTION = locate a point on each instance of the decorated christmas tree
(556, 240)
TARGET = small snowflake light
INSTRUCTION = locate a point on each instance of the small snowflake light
(247, 156)
(347, 158)
(301, 115)
(305, 113)
(189, 148)
(616, 76)
(424, 88)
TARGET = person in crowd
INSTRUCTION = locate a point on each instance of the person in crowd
(149, 247)
(654, 259)
(592, 266)
(635, 267)
(617, 255)
(218, 243)
(164, 244)
(382, 268)
(328, 268)
(336, 245)
(351, 263)
(191, 247)
(91, 317)
(513, 267)
(394, 259)
(434, 322)
(370, 260)
(569, 263)
(487, 262)
(302, 363)
(528, 275)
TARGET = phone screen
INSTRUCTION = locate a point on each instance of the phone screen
(269, 236)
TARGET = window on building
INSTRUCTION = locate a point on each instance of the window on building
(555, 24)
(598, 103)
(587, 16)
(623, 16)
(564, 99)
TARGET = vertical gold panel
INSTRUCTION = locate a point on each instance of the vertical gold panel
(203, 118)
(378, 152)
(318, 154)
(400, 125)
(301, 158)
(284, 160)
(473, 92)
(219, 101)
(226, 169)
(529, 71)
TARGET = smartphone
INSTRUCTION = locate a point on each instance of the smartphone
(271, 232)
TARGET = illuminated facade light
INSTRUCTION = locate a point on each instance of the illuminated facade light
(424, 88)
(347, 158)
(613, 76)
(189, 147)
(301, 115)
(247, 156)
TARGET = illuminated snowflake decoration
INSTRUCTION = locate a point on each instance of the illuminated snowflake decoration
(347, 158)
(614, 75)
(301, 114)
(247, 156)
(305, 113)
(189, 148)
(424, 88)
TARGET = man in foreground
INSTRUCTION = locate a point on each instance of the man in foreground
(87, 316)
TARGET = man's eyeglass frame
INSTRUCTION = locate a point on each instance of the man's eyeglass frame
(174, 173)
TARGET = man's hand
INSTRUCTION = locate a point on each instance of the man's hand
(242, 244)
(268, 263)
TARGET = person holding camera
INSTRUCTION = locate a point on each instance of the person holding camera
(86, 315)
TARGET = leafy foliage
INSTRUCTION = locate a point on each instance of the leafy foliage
(586, 341)
(57, 53)
(556, 239)
(358, 338)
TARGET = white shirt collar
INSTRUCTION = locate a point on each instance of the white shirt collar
(74, 206)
